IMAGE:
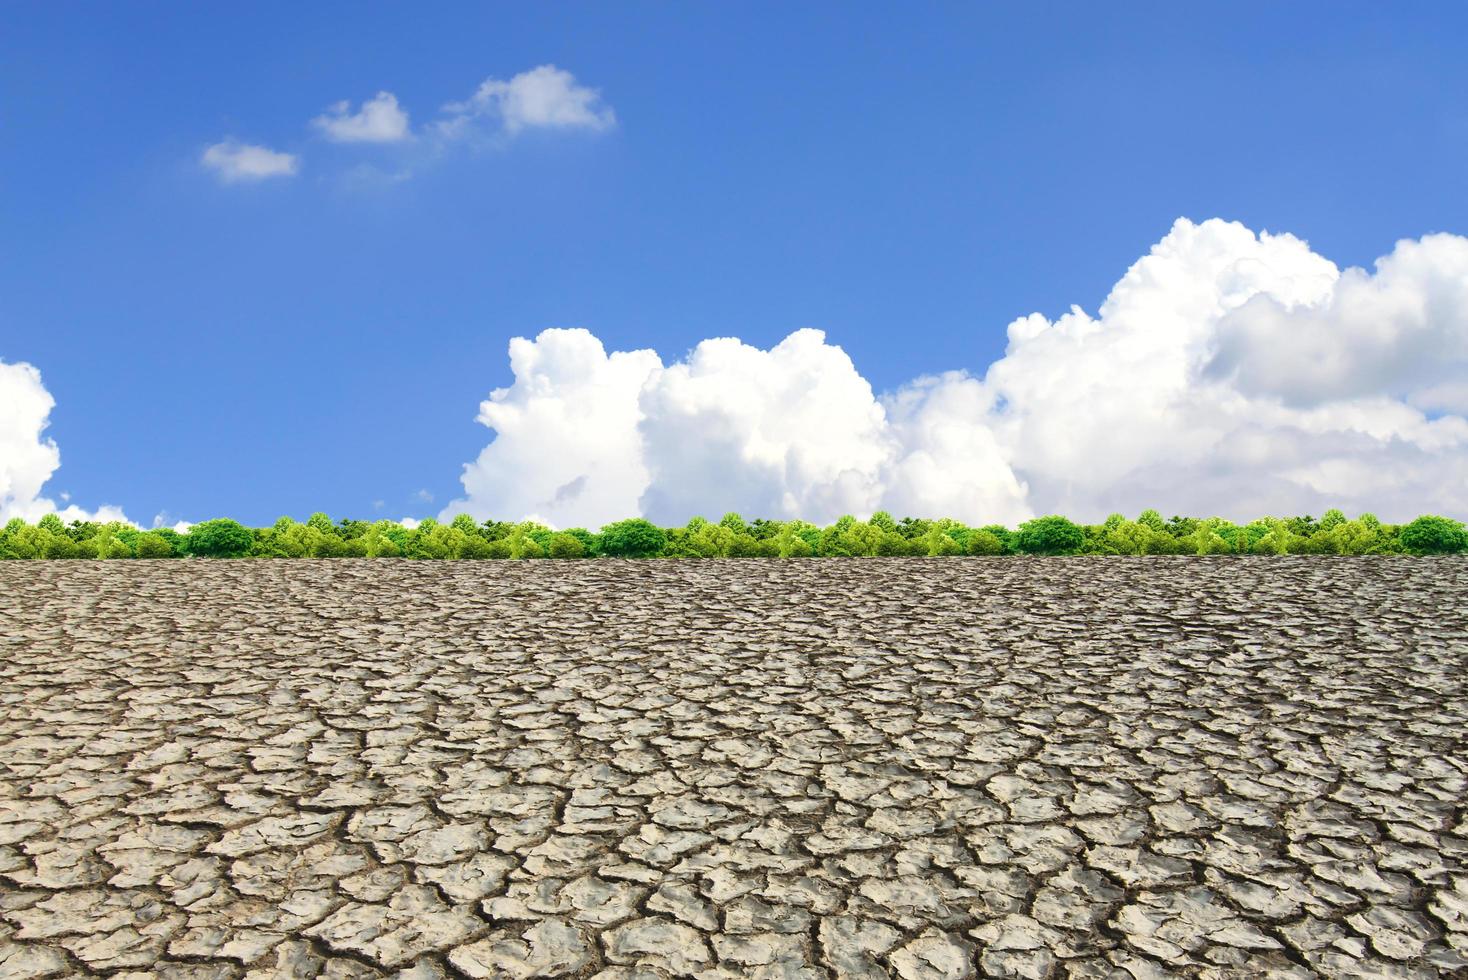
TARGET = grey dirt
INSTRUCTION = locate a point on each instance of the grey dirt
(922, 768)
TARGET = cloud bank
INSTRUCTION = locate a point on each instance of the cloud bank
(27, 458)
(234, 162)
(1227, 372)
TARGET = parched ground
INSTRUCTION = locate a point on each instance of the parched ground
(852, 768)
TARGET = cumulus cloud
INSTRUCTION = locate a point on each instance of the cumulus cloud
(1400, 331)
(27, 457)
(546, 97)
(584, 437)
(234, 162)
(567, 448)
(379, 120)
(1227, 373)
(787, 432)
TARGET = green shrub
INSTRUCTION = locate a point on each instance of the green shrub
(566, 546)
(1053, 535)
(58, 546)
(635, 538)
(473, 547)
(984, 543)
(1433, 535)
(743, 545)
(220, 538)
(733, 536)
(153, 545)
(734, 523)
(467, 525)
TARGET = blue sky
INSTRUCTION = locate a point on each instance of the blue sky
(908, 180)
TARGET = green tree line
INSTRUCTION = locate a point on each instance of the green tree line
(734, 537)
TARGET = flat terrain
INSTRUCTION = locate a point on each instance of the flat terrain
(854, 768)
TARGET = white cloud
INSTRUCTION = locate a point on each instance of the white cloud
(234, 162)
(584, 437)
(789, 432)
(566, 449)
(1227, 373)
(948, 464)
(27, 458)
(1192, 390)
(546, 97)
(1400, 331)
(379, 120)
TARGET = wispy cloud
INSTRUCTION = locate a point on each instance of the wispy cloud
(379, 120)
(545, 97)
(234, 162)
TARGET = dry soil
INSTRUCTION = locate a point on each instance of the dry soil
(851, 768)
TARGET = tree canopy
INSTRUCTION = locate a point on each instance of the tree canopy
(734, 536)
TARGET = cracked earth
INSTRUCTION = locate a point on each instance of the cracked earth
(827, 768)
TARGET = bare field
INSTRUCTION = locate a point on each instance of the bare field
(854, 768)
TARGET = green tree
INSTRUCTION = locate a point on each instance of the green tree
(466, 525)
(1433, 535)
(587, 539)
(938, 543)
(58, 546)
(1052, 535)
(565, 545)
(174, 539)
(1181, 527)
(883, 521)
(892, 545)
(379, 543)
(734, 523)
(1357, 538)
(473, 547)
(1209, 542)
(764, 530)
(496, 530)
(634, 538)
(1302, 526)
(982, 542)
(83, 530)
(350, 530)
(151, 544)
(794, 539)
(748, 546)
(220, 538)
(1150, 518)
(710, 540)
(1005, 536)
(913, 527)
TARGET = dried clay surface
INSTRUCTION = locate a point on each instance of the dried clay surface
(914, 768)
